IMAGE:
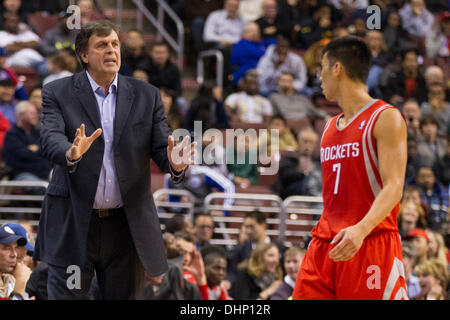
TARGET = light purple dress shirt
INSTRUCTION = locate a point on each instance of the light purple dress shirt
(108, 192)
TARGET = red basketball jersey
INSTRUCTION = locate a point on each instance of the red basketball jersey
(351, 179)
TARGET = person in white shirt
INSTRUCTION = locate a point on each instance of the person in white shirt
(247, 105)
(22, 45)
(224, 27)
(58, 69)
(416, 19)
(277, 60)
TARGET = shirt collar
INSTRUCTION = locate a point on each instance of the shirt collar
(95, 86)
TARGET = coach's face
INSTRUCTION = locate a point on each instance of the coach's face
(103, 54)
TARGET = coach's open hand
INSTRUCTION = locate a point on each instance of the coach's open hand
(348, 240)
(181, 154)
(81, 144)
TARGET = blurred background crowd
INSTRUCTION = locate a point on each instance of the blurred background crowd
(271, 68)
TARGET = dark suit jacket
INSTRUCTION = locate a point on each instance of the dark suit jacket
(140, 133)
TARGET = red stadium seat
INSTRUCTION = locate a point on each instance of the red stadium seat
(41, 22)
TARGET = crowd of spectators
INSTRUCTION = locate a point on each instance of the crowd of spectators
(272, 51)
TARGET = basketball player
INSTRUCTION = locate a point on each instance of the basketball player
(356, 252)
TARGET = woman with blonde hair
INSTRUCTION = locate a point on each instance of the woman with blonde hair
(259, 276)
(433, 279)
(410, 216)
(437, 248)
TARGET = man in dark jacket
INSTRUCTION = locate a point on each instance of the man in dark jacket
(21, 146)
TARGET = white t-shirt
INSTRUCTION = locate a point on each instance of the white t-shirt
(250, 109)
(7, 38)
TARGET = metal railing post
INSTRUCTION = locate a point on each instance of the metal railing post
(219, 67)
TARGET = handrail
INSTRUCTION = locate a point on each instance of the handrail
(219, 67)
(177, 46)
(175, 192)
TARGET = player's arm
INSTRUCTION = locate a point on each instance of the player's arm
(390, 136)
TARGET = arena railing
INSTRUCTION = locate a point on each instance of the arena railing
(167, 209)
(15, 206)
(229, 226)
(158, 22)
(219, 66)
(301, 215)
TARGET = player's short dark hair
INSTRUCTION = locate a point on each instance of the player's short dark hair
(354, 55)
(98, 28)
(258, 216)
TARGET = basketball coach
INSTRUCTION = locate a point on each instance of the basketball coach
(99, 130)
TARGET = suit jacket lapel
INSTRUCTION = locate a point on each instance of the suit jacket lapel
(87, 99)
(124, 104)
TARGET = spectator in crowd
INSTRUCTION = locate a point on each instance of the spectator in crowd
(412, 193)
(71, 59)
(406, 84)
(419, 240)
(251, 10)
(292, 105)
(247, 52)
(437, 40)
(36, 98)
(7, 101)
(13, 273)
(433, 279)
(242, 161)
(58, 69)
(259, 276)
(438, 106)
(248, 105)
(312, 58)
(380, 58)
(254, 229)
(434, 196)
(134, 54)
(300, 173)
(7, 73)
(25, 252)
(224, 27)
(317, 26)
(179, 222)
(204, 229)
(410, 216)
(88, 11)
(171, 109)
(140, 75)
(436, 247)
(430, 147)
(434, 74)
(215, 271)
(161, 71)
(442, 167)
(415, 161)
(292, 260)
(12, 7)
(21, 45)
(276, 60)
(396, 37)
(208, 108)
(409, 258)
(286, 137)
(192, 265)
(416, 19)
(59, 37)
(21, 148)
(196, 13)
(272, 22)
(411, 111)
(4, 127)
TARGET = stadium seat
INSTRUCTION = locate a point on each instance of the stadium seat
(298, 125)
(42, 22)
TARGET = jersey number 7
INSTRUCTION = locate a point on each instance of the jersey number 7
(337, 169)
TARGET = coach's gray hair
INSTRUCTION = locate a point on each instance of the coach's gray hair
(99, 28)
(21, 107)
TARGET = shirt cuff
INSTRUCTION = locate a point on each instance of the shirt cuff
(74, 162)
(177, 176)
